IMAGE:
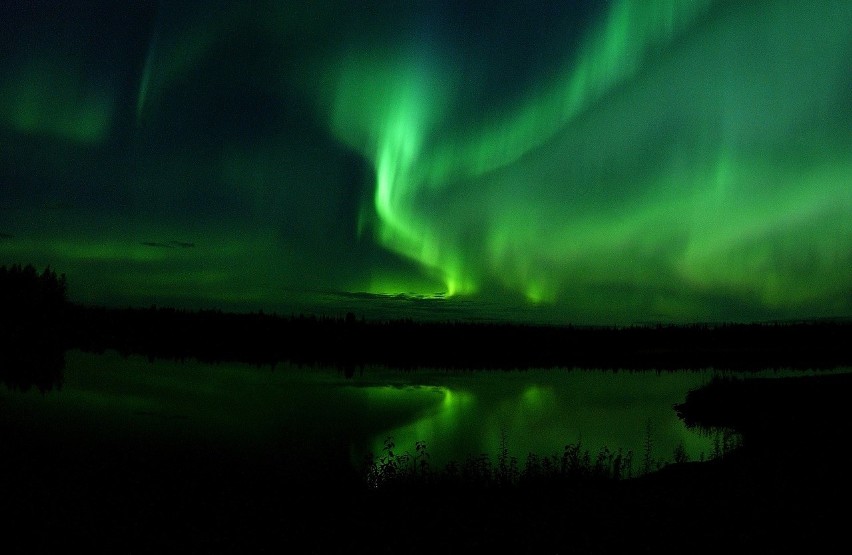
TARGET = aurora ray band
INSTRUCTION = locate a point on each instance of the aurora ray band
(592, 161)
(669, 154)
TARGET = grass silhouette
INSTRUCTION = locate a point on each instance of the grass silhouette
(394, 468)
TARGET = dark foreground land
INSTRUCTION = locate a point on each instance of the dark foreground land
(65, 488)
(784, 490)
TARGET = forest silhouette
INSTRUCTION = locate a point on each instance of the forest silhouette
(349, 342)
(39, 318)
(33, 327)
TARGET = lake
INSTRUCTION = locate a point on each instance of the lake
(317, 420)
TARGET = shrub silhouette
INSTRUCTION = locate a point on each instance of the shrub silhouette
(393, 469)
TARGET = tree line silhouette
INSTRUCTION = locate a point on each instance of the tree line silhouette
(39, 321)
(33, 324)
(354, 343)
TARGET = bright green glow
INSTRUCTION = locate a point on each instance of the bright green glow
(52, 99)
(676, 160)
(404, 285)
(412, 101)
(392, 133)
(688, 148)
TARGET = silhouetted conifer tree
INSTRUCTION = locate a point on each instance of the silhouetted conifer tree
(32, 327)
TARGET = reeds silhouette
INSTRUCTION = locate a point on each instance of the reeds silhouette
(395, 468)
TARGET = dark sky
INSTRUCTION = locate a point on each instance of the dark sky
(576, 161)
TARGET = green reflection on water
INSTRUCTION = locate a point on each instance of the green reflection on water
(542, 411)
(304, 415)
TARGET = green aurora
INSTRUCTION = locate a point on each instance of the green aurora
(586, 162)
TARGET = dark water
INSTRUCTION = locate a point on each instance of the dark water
(316, 418)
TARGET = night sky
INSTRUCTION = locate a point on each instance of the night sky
(576, 161)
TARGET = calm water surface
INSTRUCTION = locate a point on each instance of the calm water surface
(317, 417)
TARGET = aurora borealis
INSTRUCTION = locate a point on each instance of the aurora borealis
(580, 161)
